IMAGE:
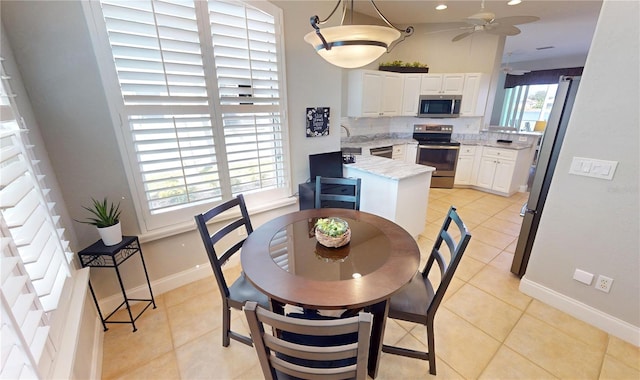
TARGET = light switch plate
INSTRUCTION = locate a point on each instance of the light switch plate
(591, 167)
(583, 277)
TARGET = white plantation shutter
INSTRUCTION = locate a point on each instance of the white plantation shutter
(35, 256)
(245, 53)
(157, 56)
(200, 92)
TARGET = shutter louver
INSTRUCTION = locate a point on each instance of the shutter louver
(34, 257)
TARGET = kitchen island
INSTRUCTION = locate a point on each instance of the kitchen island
(393, 189)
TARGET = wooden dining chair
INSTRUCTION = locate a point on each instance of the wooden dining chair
(241, 290)
(417, 302)
(330, 189)
(310, 348)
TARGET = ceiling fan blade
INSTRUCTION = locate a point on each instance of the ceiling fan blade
(502, 30)
(461, 36)
(515, 20)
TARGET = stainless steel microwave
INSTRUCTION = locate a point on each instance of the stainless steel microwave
(439, 106)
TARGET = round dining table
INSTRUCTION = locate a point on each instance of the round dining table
(284, 260)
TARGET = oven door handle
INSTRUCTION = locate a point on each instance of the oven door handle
(438, 147)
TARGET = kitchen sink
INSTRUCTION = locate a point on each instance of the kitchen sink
(351, 150)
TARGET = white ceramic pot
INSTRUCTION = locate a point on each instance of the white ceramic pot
(111, 235)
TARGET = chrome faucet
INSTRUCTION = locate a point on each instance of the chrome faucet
(346, 129)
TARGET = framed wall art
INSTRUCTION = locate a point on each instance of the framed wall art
(317, 121)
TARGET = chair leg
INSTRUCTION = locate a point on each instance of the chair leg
(431, 346)
(226, 324)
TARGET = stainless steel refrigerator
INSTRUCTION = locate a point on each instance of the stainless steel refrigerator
(546, 164)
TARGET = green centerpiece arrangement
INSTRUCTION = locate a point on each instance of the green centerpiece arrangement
(404, 67)
(332, 232)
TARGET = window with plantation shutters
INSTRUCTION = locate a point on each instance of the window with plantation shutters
(35, 256)
(199, 98)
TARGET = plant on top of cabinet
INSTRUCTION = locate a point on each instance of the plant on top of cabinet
(404, 67)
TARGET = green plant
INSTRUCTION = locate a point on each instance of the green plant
(403, 64)
(333, 227)
(105, 214)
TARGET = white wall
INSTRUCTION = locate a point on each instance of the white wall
(588, 223)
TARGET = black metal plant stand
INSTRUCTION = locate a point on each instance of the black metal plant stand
(99, 255)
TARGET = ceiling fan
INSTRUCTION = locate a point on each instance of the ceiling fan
(510, 70)
(486, 21)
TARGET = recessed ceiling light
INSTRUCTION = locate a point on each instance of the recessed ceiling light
(514, 2)
(441, 7)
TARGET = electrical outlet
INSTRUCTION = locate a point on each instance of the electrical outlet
(604, 283)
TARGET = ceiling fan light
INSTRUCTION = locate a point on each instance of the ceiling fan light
(352, 46)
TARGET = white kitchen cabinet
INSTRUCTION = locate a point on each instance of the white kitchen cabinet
(374, 93)
(411, 152)
(398, 152)
(438, 84)
(410, 94)
(465, 166)
(474, 94)
(501, 170)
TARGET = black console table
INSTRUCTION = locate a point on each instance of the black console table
(99, 255)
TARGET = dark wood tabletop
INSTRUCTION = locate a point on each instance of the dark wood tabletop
(383, 253)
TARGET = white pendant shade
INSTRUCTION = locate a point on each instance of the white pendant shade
(353, 45)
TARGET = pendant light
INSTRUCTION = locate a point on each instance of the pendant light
(351, 46)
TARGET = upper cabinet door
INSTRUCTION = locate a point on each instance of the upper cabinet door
(374, 93)
(391, 94)
(438, 84)
(430, 84)
(364, 93)
(410, 95)
(452, 84)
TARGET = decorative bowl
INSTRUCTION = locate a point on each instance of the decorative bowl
(332, 232)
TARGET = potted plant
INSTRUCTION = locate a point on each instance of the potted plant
(404, 67)
(106, 219)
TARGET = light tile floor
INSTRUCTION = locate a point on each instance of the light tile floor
(485, 328)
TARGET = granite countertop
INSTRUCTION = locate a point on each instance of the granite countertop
(386, 167)
(375, 141)
(514, 145)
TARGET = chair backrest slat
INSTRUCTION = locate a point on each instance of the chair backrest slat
(353, 197)
(310, 348)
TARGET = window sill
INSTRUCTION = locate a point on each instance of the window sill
(177, 229)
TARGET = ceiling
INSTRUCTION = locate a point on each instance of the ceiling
(567, 25)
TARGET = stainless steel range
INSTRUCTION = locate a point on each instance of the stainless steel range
(435, 148)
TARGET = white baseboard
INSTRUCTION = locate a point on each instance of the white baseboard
(163, 285)
(586, 313)
(98, 343)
